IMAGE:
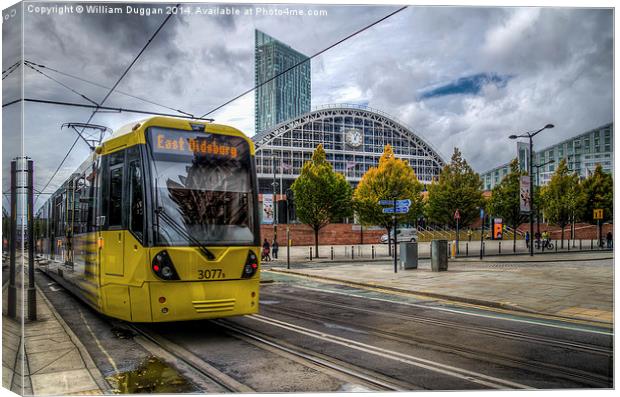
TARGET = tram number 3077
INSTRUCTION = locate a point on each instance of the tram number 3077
(210, 274)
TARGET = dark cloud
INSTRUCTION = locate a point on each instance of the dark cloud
(560, 60)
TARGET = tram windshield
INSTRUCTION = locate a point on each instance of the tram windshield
(204, 183)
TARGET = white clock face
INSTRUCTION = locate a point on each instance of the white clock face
(354, 137)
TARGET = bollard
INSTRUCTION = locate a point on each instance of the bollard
(556, 246)
(484, 246)
(569, 245)
(310, 253)
(579, 244)
(372, 250)
(332, 253)
(500, 247)
(467, 249)
(352, 253)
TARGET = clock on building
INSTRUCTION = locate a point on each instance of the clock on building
(353, 137)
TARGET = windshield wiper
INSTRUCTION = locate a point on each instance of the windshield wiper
(161, 214)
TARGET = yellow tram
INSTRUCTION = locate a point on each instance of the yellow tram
(160, 223)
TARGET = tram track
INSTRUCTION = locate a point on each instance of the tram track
(546, 369)
(496, 332)
(481, 380)
(342, 370)
(376, 381)
(190, 360)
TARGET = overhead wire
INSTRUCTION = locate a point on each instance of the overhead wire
(306, 60)
(108, 88)
(13, 65)
(62, 84)
(99, 107)
(10, 70)
(150, 40)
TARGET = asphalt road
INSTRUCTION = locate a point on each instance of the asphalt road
(316, 337)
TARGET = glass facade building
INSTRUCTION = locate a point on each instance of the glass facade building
(353, 137)
(286, 96)
(582, 153)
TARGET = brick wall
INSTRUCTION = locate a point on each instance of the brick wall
(332, 234)
(344, 234)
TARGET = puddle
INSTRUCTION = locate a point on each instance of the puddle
(151, 376)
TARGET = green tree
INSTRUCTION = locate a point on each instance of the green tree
(392, 179)
(459, 187)
(599, 193)
(562, 198)
(504, 201)
(322, 196)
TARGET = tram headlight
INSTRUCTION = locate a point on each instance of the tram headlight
(163, 267)
(251, 265)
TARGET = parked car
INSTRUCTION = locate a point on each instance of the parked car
(404, 235)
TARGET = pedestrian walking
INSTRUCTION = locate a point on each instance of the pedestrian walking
(537, 238)
(266, 256)
(609, 240)
(527, 239)
(274, 249)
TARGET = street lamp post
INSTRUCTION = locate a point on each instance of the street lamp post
(275, 202)
(538, 167)
(531, 135)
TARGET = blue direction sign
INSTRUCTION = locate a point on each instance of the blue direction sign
(399, 203)
(399, 210)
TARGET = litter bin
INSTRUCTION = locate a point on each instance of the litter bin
(439, 255)
(409, 255)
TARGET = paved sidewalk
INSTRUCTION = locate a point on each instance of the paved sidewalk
(575, 286)
(56, 362)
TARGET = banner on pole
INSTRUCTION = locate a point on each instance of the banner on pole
(524, 194)
(267, 209)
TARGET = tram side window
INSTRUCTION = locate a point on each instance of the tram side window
(115, 207)
(136, 194)
(136, 213)
(112, 192)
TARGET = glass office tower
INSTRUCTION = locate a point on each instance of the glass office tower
(286, 96)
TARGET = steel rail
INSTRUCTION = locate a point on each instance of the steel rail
(371, 378)
(542, 368)
(593, 349)
(430, 365)
(192, 361)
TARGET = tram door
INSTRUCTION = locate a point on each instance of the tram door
(112, 259)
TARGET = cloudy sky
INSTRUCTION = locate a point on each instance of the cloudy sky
(462, 77)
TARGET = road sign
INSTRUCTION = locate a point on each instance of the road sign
(399, 203)
(598, 213)
(399, 210)
(457, 215)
